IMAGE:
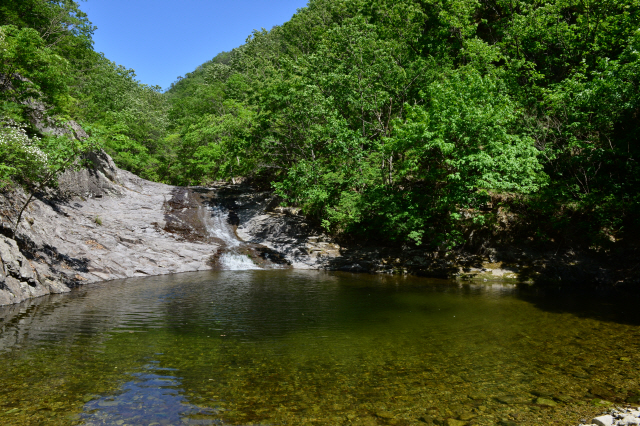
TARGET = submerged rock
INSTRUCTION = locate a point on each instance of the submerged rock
(545, 402)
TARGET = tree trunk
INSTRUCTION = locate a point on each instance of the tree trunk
(15, 229)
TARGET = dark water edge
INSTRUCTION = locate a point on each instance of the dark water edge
(308, 347)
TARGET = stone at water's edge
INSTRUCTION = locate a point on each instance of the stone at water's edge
(617, 417)
(629, 420)
(19, 280)
(603, 420)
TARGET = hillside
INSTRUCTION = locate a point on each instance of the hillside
(409, 124)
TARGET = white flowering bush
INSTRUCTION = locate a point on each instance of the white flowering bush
(35, 163)
(21, 159)
(17, 135)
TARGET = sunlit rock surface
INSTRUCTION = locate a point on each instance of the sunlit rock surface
(105, 223)
(116, 229)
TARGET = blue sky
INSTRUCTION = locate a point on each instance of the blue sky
(164, 39)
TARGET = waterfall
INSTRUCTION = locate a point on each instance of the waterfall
(215, 220)
(236, 262)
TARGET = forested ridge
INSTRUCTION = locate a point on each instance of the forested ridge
(406, 122)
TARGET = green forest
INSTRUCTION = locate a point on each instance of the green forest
(415, 122)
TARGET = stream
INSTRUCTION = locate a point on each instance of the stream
(291, 347)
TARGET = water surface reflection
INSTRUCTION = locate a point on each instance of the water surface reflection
(306, 347)
(151, 397)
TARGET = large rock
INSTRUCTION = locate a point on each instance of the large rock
(606, 420)
(8, 251)
(99, 180)
(18, 279)
(13, 290)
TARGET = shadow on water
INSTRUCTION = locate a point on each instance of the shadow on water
(603, 305)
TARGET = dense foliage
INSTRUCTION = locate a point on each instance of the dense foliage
(49, 73)
(400, 120)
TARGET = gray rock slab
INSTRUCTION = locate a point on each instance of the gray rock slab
(14, 289)
(8, 250)
(5, 297)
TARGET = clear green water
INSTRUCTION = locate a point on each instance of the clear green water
(298, 347)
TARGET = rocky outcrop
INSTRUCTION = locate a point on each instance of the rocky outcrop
(104, 223)
(262, 221)
(21, 279)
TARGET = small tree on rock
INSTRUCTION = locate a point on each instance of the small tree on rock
(35, 163)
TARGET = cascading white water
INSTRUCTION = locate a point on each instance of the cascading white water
(237, 262)
(215, 221)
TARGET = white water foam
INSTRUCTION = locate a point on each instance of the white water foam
(237, 262)
(215, 221)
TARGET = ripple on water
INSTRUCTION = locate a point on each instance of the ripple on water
(303, 347)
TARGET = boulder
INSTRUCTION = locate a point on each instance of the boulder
(8, 251)
(606, 420)
(14, 289)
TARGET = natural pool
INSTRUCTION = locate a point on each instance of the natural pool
(303, 347)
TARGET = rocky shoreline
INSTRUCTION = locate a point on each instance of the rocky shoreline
(617, 417)
(105, 223)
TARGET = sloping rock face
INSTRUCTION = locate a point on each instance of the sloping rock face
(104, 224)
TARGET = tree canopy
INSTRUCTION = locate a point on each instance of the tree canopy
(402, 119)
(394, 120)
